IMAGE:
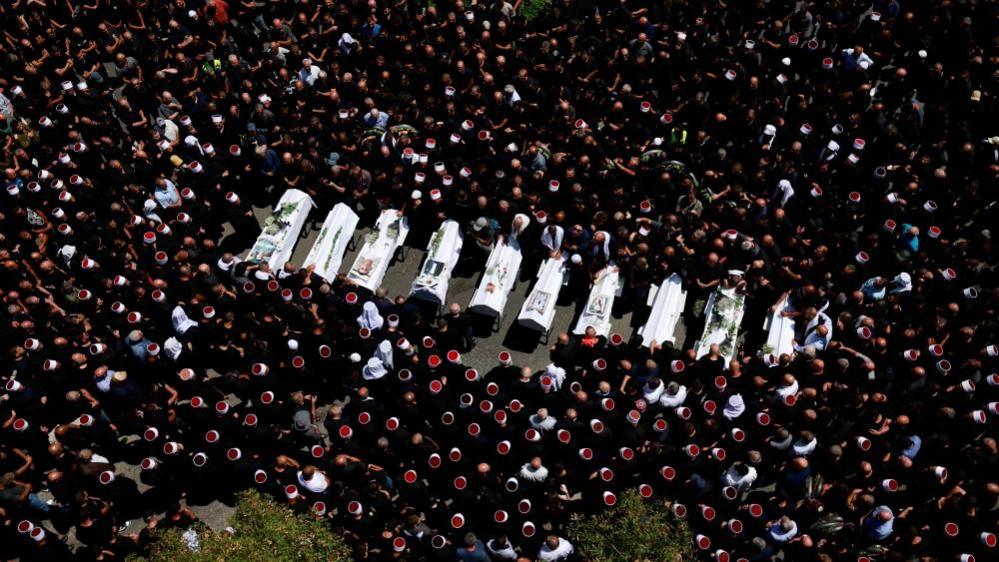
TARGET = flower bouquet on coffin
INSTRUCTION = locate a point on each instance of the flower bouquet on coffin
(723, 315)
(280, 220)
(280, 230)
(275, 230)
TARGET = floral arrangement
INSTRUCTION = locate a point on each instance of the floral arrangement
(393, 229)
(724, 319)
(278, 220)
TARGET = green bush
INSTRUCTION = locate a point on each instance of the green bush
(635, 530)
(263, 531)
(531, 8)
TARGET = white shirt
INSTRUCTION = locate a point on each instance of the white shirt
(741, 483)
(171, 131)
(652, 396)
(787, 390)
(560, 552)
(104, 384)
(813, 338)
(505, 553)
(782, 445)
(804, 449)
(317, 484)
(310, 75)
(862, 58)
(673, 400)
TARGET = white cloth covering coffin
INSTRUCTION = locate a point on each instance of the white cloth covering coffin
(538, 311)
(597, 312)
(500, 276)
(331, 244)
(442, 255)
(723, 315)
(281, 229)
(667, 302)
(780, 332)
(380, 244)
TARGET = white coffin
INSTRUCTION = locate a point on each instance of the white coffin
(379, 248)
(277, 241)
(442, 255)
(667, 301)
(500, 276)
(780, 332)
(723, 314)
(597, 312)
(331, 244)
(538, 311)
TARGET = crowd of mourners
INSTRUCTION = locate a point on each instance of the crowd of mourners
(839, 154)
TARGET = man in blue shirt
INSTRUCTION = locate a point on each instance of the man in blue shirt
(166, 193)
(910, 237)
(473, 551)
(879, 525)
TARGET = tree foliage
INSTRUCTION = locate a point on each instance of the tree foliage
(261, 530)
(532, 8)
(635, 530)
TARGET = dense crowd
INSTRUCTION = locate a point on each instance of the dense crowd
(839, 154)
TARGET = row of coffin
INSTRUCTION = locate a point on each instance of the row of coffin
(723, 312)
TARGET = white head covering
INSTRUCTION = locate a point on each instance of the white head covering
(370, 318)
(384, 352)
(67, 252)
(557, 374)
(181, 323)
(374, 370)
(552, 243)
(173, 348)
(786, 191)
(902, 283)
(525, 222)
(734, 407)
(346, 42)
